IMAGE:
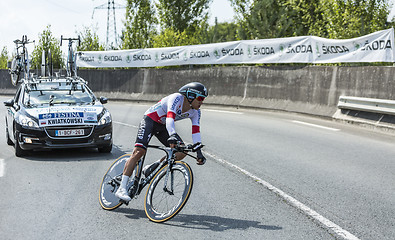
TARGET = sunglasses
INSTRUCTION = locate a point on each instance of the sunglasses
(200, 98)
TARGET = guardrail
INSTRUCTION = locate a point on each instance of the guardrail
(374, 105)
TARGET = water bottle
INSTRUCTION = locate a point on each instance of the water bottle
(150, 168)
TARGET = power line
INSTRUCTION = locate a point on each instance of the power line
(111, 22)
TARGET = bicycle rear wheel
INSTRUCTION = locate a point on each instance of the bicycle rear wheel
(111, 182)
(164, 202)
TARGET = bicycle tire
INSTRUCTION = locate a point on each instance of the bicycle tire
(14, 72)
(159, 205)
(107, 198)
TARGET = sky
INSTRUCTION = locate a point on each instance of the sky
(30, 17)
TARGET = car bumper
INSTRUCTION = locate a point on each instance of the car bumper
(44, 138)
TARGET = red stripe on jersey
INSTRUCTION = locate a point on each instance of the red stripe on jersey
(195, 129)
(171, 115)
(140, 145)
(154, 116)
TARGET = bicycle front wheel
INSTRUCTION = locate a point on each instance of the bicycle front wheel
(15, 72)
(168, 193)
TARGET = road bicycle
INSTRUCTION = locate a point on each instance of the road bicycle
(71, 63)
(20, 64)
(170, 184)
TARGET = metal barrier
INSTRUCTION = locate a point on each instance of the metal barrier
(374, 105)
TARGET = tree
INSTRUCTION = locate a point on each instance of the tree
(89, 40)
(4, 58)
(324, 18)
(264, 19)
(140, 25)
(182, 23)
(354, 18)
(171, 38)
(47, 42)
(309, 17)
(181, 15)
(222, 32)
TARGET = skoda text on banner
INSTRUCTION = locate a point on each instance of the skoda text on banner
(375, 47)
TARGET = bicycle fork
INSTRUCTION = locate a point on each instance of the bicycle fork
(169, 172)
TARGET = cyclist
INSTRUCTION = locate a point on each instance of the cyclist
(159, 120)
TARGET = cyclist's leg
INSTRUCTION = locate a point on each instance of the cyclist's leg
(142, 139)
(138, 153)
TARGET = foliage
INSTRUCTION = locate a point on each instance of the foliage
(47, 42)
(325, 18)
(171, 38)
(140, 25)
(222, 32)
(354, 18)
(3, 58)
(262, 19)
(89, 40)
(181, 15)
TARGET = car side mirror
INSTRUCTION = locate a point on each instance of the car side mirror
(9, 64)
(9, 103)
(103, 100)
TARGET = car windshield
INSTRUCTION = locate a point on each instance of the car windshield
(52, 93)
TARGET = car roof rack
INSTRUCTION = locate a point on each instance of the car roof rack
(49, 75)
(31, 84)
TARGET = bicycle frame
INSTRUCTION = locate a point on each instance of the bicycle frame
(22, 58)
(170, 159)
(71, 65)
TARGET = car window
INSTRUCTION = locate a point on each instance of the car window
(56, 93)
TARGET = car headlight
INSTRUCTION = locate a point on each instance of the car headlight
(27, 122)
(106, 118)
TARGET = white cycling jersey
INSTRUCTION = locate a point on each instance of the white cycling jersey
(169, 109)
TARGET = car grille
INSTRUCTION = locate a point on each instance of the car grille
(55, 142)
(51, 132)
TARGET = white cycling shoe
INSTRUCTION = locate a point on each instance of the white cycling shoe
(122, 194)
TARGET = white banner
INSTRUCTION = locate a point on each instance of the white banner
(375, 47)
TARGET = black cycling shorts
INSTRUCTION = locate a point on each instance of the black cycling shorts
(147, 129)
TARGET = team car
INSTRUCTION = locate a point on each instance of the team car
(57, 112)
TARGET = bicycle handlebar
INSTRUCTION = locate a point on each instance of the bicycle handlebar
(23, 41)
(181, 148)
(70, 39)
(191, 148)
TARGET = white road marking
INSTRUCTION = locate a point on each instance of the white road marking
(292, 201)
(222, 111)
(125, 124)
(315, 125)
(2, 167)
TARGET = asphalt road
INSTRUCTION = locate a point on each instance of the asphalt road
(343, 173)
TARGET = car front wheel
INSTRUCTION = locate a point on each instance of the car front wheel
(7, 136)
(19, 152)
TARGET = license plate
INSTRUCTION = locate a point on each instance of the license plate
(72, 132)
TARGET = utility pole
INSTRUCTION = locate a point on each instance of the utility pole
(112, 37)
